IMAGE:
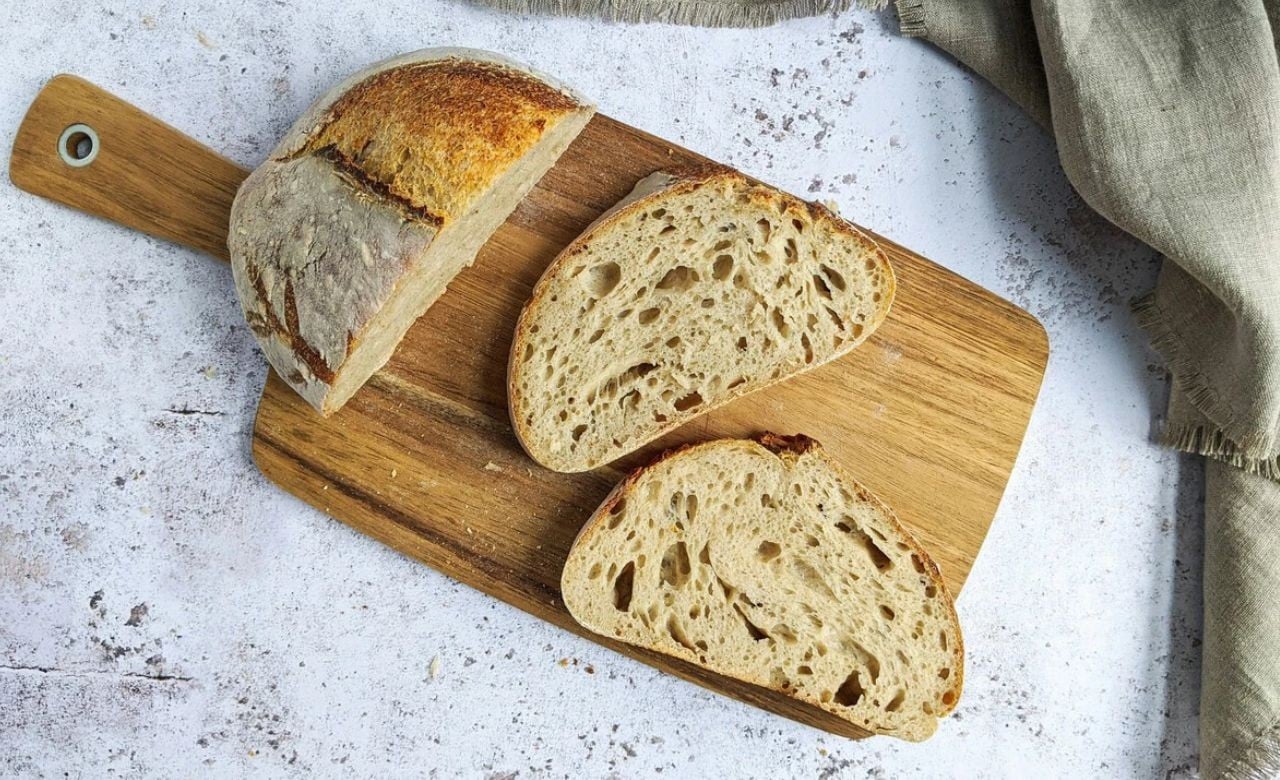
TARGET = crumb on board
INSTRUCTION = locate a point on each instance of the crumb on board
(563, 662)
(394, 473)
(148, 22)
(434, 668)
(491, 466)
(590, 669)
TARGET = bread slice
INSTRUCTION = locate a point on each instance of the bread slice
(698, 288)
(378, 196)
(764, 562)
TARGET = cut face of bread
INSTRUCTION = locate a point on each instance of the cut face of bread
(378, 196)
(764, 562)
(700, 287)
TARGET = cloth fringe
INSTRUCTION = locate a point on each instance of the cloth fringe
(1261, 760)
(1210, 441)
(911, 22)
(701, 13)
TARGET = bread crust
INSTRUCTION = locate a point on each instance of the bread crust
(792, 448)
(648, 192)
(363, 184)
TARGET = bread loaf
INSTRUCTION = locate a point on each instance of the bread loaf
(377, 197)
(698, 288)
(764, 562)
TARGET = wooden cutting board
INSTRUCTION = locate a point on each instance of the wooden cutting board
(929, 413)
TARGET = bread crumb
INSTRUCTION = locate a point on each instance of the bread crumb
(528, 471)
(209, 372)
(471, 531)
(832, 206)
(590, 669)
(204, 40)
(564, 662)
(434, 668)
(822, 752)
(148, 22)
(326, 487)
(491, 466)
(393, 473)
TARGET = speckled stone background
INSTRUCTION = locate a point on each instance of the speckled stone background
(166, 612)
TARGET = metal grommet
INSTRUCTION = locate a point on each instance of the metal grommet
(78, 145)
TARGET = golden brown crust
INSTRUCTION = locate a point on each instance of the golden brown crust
(433, 136)
(793, 447)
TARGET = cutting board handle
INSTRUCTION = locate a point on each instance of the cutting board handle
(86, 148)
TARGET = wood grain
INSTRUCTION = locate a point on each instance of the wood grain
(929, 413)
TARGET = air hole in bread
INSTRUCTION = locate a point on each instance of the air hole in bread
(917, 563)
(942, 639)
(811, 540)
(948, 698)
(930, 591)
(707, 303)
(647, 316)
(742, 380)
(658, 213)
(944, 673)
(688, 402)
(768, 551)
(722, 268)
(676, 630)
(821, 287)
(622, 587)
(673, 342)
(888, 613)
(804, 670)
(835, 318)
(877, 556)
(578, 430)
(595, 571)
(766, 229)
(834, 276)
(601, 280)
(756, 633)
(808, 347)
(780, 323)
(675, 567)
(678, 279)
(790, 251)
(850, 691)
(667, 229)
(896, 702)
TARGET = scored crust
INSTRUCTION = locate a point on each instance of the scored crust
(583, 605)
(652, 192)
(355, 210)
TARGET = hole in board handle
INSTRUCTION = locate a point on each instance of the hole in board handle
(78, 145)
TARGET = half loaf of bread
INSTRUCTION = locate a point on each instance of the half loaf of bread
(764, 562)
(698, 288)
(377, 197)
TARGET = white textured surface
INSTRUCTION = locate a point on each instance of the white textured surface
(163, 610)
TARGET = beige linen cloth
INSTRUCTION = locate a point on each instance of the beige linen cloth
(1167, 116)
